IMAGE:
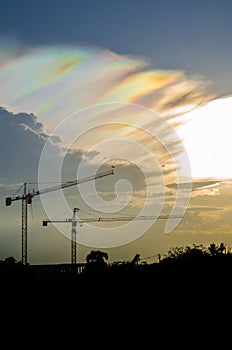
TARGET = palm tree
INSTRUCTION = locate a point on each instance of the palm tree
(215, 249)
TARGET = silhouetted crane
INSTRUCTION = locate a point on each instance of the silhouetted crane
(26, 199)
(75, 220)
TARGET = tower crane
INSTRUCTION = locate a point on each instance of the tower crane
(75, 220)
(27, 196)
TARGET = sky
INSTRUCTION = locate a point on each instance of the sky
(144, 86)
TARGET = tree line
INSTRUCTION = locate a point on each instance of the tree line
(179, 264)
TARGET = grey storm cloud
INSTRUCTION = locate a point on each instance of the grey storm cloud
(22, 139)
(124, 170)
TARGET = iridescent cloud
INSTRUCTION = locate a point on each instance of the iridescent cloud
(120, 95)
(53, 82)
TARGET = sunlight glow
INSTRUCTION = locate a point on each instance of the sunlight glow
(207, 139)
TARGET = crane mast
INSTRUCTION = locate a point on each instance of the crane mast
(74, 237)
(26, 199)
(24, 224)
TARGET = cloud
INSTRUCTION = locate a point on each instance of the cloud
(98, 95)
(209, 214)
(22, 139)
(55, 81)
(196, 185)
(198, 209)
(91, 96)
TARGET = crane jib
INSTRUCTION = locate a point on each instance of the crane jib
(29, 195)
(77, 182)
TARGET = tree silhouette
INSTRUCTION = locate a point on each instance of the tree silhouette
(96, 263)
(187, 253)
(215, 249)
(97, 257)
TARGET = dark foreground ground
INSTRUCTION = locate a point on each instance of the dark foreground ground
(173, 301)
(159, 281)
